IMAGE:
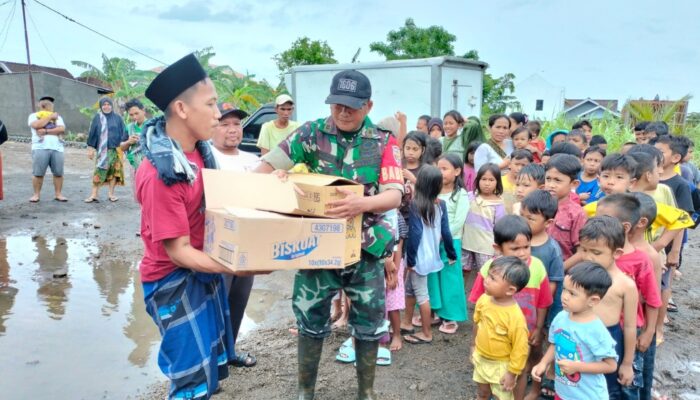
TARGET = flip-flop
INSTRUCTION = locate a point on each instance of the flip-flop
(547, 388)
(383, 356)
(91, 200)
(407, 331)
(449, 328)
(114, 199)
(413, 339)
(244, 360)
(62, 200)
(346, 353)
(672, 307)
(33, 200)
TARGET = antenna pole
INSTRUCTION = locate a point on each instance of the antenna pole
(29, 59)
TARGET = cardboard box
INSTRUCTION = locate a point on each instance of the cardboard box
(243, 234)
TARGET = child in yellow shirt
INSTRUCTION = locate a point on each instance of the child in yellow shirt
(500, 347)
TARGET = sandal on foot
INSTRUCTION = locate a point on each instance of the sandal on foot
(61, 199)
(413, 339)
(33, 200)
(672, 307)
(448, 327)
(113, 199)
(91, 200)
(244, 360)
(346, 353)
(383, 356)
(407, 331)
(547, 391)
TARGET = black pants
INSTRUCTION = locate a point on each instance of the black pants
(239, 288)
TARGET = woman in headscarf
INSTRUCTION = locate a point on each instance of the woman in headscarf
(498, 148)
(107, 134)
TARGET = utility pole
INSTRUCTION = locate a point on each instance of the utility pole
(29, 59)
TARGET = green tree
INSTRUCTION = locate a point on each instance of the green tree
(304, 51)
(410, 41)
(651, 111)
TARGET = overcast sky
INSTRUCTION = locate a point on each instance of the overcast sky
(602, 49)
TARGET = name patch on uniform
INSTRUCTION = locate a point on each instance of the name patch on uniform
(347, 85)
(392, 174)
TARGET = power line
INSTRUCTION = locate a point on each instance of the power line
(98, 33)
(41, 39)
(7, 24)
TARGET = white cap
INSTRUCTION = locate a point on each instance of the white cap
(283, 98)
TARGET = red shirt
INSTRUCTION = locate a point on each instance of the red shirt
(638, 266)
(540, 145)
(168, 212)
(567, 224)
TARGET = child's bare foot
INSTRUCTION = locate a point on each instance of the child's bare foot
(396, 343)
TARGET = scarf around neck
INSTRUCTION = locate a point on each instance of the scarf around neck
(497, 148)
(166, 155)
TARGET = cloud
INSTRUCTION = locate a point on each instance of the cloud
(198, 11)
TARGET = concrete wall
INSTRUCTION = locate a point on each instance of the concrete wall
(70, 97)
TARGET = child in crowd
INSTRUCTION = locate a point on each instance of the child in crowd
(578, 138)
(546, 155)
(636, 264)
(446, 287)
(395, 295)
(453, 141)
(413, 158)
(582, 349)
(500, 336)
(561, 178)
(539, 209)
(603, 242)
(598, 140)
(512, 236)
(428, 226)
(639, 135)
(521, 138)
(529, 179)
(588, 189)
(485, 208)
(535, 127)
(585, 126)
(565, 148)
(617, 173)
(655, 130)
(674, 149)
(433, 150)
(469, 171)
(638, 238)
(626, 147)
(435, 129)
(557, 136)
(690, 171)
(518, 159)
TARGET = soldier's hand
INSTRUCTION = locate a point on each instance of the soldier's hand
(283, 175)
(348, 207)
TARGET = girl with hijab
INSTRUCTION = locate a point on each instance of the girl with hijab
(435, 128)
(497, 149)
(107, 135)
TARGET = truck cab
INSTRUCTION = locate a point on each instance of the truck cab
(252, 125)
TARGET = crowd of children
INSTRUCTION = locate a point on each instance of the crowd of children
(574, 247)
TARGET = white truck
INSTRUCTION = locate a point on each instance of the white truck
(429, 86)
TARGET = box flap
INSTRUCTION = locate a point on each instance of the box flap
(320, 180)
(248, 190)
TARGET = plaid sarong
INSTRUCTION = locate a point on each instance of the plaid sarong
(191, 311)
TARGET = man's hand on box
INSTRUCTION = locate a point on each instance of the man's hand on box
(348, 207)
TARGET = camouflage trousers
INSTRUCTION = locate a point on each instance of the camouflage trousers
(363, 283)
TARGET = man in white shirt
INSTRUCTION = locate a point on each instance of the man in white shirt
(275, 131)
(225, 141)
(47, 149)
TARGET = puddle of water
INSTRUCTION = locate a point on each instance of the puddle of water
(73, 326)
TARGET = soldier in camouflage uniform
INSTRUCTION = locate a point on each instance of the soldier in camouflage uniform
(346, 144)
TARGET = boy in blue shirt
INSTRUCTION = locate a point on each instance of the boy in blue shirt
(588, 189)
(582, 348)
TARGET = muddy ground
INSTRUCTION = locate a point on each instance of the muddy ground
(436, 371)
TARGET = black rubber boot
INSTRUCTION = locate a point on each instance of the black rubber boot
(308, 357)
(366, 359)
